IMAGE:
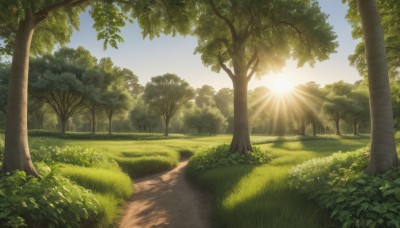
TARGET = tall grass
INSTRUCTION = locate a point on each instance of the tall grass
(260, 196)
(100, 180)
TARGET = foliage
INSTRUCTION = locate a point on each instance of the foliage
(220, 156)
(206, 119)
(165, 94)
(51, 201)
(390, 24)
(4, 76)
(144, 119)
(75, 155)
(205, 96)
(355, 199)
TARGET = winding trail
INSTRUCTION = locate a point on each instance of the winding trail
(166, 200)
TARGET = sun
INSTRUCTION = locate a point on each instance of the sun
(281, 86)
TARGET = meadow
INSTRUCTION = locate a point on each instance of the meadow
(243, 195)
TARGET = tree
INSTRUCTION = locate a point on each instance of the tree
(93, 83)
(308, 99)
(165, 94)
(383, 155)
(245, 38)
(224, 101)
(205, 96)
(144, 119)
(390, 21)
(37, 26)
(116, 102)
(359, 110)
(337, 104)
(205, 119)
(59, 86)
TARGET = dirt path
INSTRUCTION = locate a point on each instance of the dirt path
(166, 200)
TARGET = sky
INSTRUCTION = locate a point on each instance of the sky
(148, 58)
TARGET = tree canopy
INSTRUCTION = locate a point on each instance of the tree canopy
(165, 94)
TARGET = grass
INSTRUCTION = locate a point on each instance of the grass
(100, 180)
(141, 158)
(260, 196)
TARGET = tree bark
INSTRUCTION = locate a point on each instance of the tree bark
(337, 125)
(16, 148)
(241, 135)
(63, 125)
(166, 133)
(383, 154)
(355, 127)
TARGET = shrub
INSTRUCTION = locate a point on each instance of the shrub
(354, 198)
(220, 156)
(75, 155)
(141, 166)
(52, 201)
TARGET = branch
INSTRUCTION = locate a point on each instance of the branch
(252, 60)
(253, 70)
(225, 68)
(223, 18)
(42, 14)
(291, 25)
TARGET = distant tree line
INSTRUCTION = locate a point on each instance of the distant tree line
(71, 90)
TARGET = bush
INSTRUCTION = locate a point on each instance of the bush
(354, 198)
(141, 166)
(220, 156)
(75, 155)
(52, 201)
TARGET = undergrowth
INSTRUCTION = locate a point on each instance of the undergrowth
(355, 199)
(52, 201)
(220, 156)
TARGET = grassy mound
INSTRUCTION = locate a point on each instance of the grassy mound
(100, 180)
(338, 183)
(214, 157)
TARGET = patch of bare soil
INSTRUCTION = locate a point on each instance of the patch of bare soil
(166, 200)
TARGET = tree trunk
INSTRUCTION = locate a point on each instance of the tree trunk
(383, 154)
(16, 148)
(166, 127)
(241, 135)
(302, 128)
(314, 128)
(110, 123)
(355, 127)
(337, 125)
(63, 125)
(93, 120)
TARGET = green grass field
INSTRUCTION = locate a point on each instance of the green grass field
(243, 195)
(260, 196)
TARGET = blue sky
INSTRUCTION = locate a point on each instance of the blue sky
(148, 58)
